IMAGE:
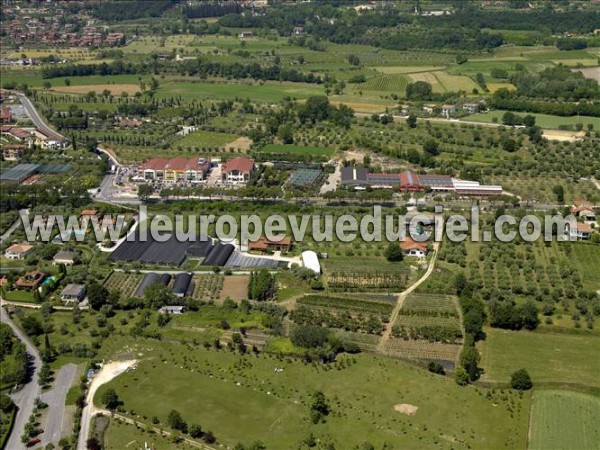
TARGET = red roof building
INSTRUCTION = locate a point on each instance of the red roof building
(237, 170)
(410, 247)
(175, 169)
(5, 116)
(262, 244)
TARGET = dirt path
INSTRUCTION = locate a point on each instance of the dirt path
(402, 296)
(108, 372)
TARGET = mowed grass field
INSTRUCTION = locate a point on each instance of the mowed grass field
(548, 357)
(564, 420)
(297, 149)
(242, 399)
(542, 120)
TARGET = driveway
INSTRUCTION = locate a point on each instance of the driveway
(25, 398)
(108, 372)
(55, 399)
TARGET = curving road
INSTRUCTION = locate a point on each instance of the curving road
(25, 398)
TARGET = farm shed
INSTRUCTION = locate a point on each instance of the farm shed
(182, 284)
(172, 310)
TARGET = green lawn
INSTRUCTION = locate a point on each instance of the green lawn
(241, 399)
(297, 149)
(564, 420)
(20, 296)
(548, 357)
(543, 120)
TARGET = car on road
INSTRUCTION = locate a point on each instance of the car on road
(33, 442)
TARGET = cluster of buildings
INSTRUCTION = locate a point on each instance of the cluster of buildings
(193, 170)
(53, 26)
(448, 110)
(30, 136)
(173, 170)
(408, 181)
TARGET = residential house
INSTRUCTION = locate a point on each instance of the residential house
(471, 108)
(410, 247)
(246, 34)
(237, 170)
(580, 231)
(448, 110)
(31, 280)
(264, 245)
(18, 251)
(429, 108)
(65, 257)
(73, 293)
(585, 213)
(12, 152)
(5, 115)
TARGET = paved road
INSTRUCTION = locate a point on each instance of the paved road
(25, 398)
(36, 118)
(55, 399)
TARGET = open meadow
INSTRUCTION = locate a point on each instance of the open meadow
(240, 396)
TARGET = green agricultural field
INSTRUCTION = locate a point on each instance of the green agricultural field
(407, 69)
(444, 82)
(392, 83)
(297, 149)
(543, 120)
(548, 357)
(268, 91)
(242, 399)
(564, 420)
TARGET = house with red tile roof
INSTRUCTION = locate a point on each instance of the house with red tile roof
(581, 231)
(410, 247)
(237, 170)
(264, 245)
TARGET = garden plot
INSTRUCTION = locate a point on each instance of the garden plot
(124, 282)
(348, 314)
(207, 287)
(428, 327)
